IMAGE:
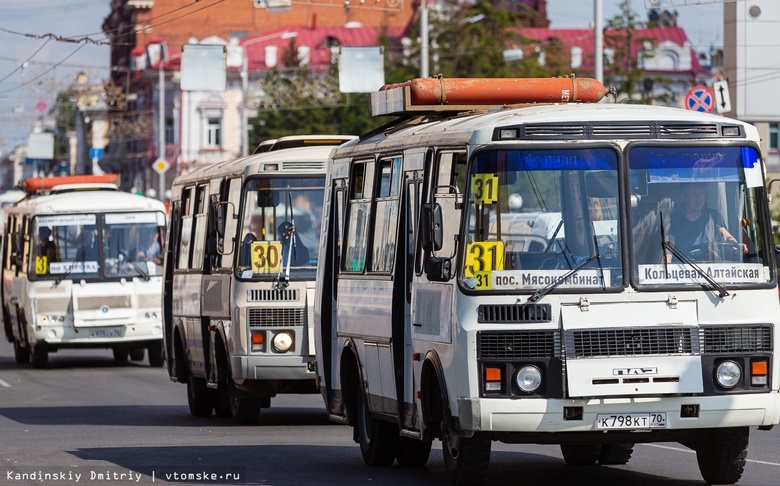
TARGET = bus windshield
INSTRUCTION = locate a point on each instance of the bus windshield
(533, 216)
(129, 245)
(280, 230)
(132, 244)
(66, 245)
(694, 211)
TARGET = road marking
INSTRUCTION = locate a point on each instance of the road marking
(3, 383)
(680, 449)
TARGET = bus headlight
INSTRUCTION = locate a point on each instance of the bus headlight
(282, 342)
(529, 378)
(728, 374)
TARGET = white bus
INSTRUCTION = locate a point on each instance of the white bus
(82, 268)
(642, 307)
(239, 280)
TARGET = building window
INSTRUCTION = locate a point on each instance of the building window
(774, 134)
(214, 132)
(576, 57)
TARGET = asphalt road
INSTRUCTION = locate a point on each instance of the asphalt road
(87, 420)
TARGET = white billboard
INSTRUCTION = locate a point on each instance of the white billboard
(752, 58)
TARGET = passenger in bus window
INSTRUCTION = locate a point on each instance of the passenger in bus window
(696, 226)
(299, 254)
(153, 251)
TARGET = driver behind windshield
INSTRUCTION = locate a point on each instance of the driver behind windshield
(696, 225)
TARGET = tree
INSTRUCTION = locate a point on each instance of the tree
(625, 71)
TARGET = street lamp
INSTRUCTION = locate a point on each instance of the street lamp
(245, 85)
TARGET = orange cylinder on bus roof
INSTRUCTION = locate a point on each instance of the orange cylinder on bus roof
(502, 91)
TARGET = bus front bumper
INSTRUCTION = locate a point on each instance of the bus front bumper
(539, 415)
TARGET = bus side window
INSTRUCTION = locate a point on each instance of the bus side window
(449, 190)
(185, 235)
(200, 227)
(386, 215)
(228, 243)
(358, 216)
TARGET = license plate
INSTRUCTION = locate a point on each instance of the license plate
(106, 333)
(631, 421)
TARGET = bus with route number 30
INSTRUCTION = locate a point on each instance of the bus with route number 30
(592, 275)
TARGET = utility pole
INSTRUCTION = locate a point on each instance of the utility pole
(244, 121)
(161, 109)
(598, 38)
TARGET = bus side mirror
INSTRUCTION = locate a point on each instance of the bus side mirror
(438, 269)
(431, 230)
(219, 218)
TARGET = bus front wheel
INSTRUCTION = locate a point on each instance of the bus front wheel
(378, 439)
(21, 354)
(199, 398)
(721, 454)
(412, 452)
(155, 351)
(466, 458)
(244, 407)
(40, 355)
(581, 454)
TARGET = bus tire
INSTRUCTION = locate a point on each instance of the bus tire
(466, 458)
(581, 454)
(137, 354)
(222, 404)
(615, 454)
(378, 439)
(244, 408)
(120, 355)
(40, 355)
(721, 454)
(155, 351)
(199, 398)
(412, 452)
(21, 353)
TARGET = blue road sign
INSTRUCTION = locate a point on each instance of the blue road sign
(700, 98)
(96, 153)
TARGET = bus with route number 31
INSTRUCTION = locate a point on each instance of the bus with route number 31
(591, 275)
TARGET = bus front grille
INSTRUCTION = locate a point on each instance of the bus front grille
(736, 339)
(518, 344)
(262, 317)
(97, 303)
(597, 343)
(512, 313)
(272, 295)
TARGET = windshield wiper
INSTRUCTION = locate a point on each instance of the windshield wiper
(536, 296)
(62, 277)
(665, 245)
(140, 271)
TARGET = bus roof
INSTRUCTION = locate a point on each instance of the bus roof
(86, 201)
(295, 141)
(303, 160)
(550, 122)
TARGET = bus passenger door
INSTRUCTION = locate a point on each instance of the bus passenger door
(432, 291)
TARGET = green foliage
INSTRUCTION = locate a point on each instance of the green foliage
(64, 112)
(624, 72)
(466, 40)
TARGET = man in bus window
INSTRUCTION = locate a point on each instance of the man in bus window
(697, 225)
(46, 246)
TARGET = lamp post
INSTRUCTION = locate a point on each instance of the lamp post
(424, 38)
(161, 110)
(245, 85)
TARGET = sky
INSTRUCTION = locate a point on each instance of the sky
(27, 29)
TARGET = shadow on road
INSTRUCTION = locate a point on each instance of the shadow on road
(162, 415)
(317, 465)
